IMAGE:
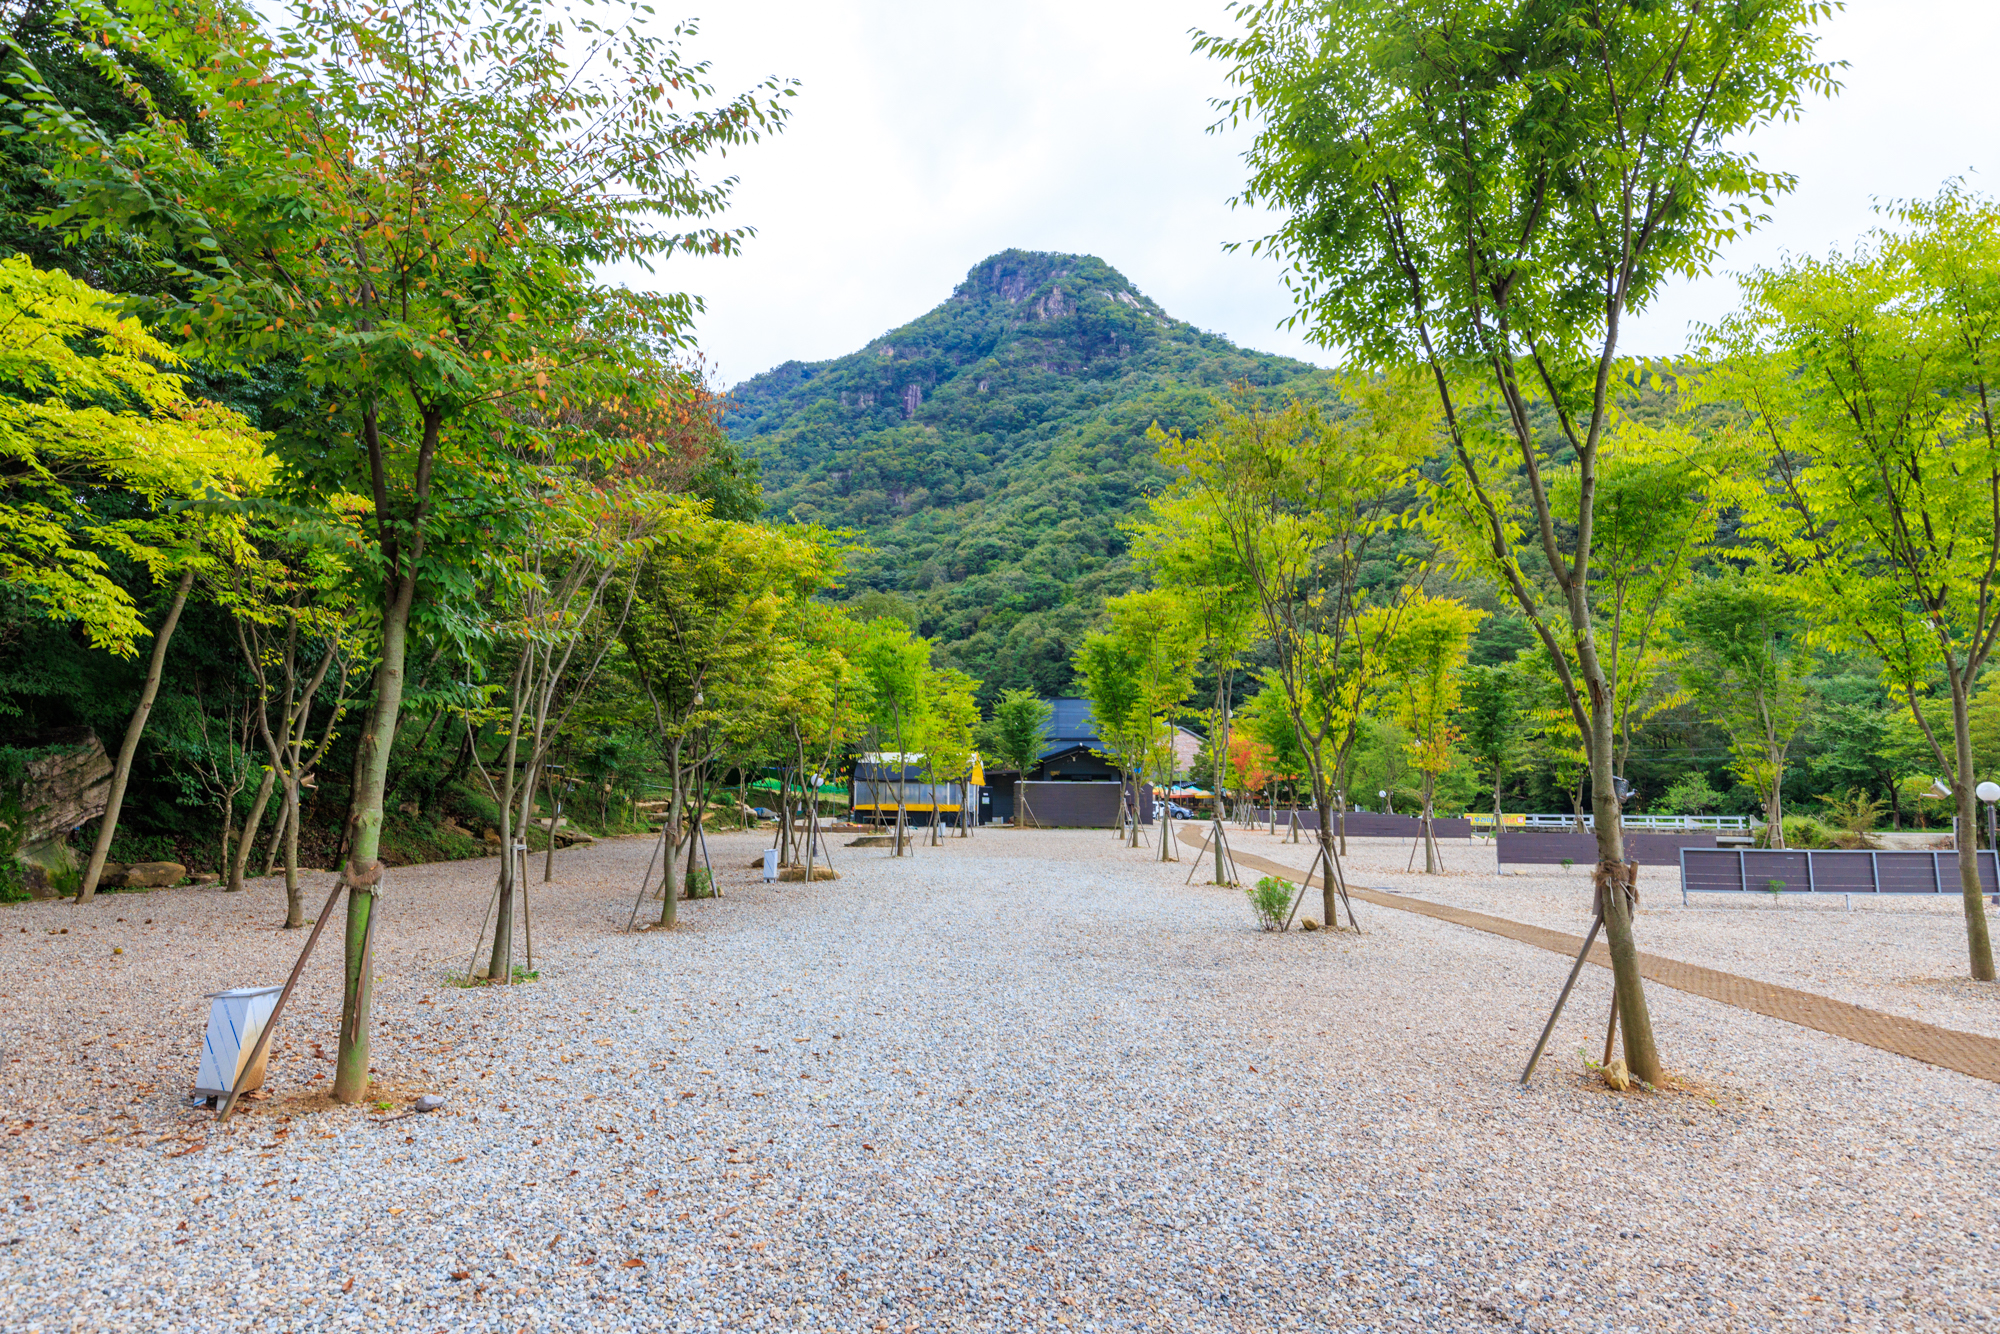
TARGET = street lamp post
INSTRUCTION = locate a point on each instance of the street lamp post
(1384, 794)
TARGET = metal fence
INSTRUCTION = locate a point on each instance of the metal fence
(1652, 824)
(1810, 871)
(1365, 824)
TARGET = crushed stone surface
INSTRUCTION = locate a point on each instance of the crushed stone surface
(1901, 953)
(1025, 1080)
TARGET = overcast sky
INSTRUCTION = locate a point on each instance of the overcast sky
(926, 136)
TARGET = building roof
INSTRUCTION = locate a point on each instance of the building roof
(1071, 725)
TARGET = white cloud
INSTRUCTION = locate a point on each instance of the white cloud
(928, 136)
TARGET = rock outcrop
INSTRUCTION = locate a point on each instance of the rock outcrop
(63, 788)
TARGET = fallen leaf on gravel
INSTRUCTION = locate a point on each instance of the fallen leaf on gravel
(449, 1161)
(460, 1275)
(633, 1262)
(869, 1147)
(397, 1210)
(348, 1286)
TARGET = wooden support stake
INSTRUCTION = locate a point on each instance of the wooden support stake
(1596, 923)
(271, 1024)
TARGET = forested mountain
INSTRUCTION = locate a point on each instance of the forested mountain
(988, 450)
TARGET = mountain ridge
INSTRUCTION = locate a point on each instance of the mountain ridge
(988, 449)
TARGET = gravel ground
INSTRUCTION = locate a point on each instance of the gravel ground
(1024, 1081)
(1904, 954)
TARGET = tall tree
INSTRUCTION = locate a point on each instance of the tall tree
(411, 200)
(1422, 660)
(96, 407)
(1016, 735)
(1307, 496)
(1487, 188)
(1872, 378)
(1136, 674)
(1746, 660)
(1491, 723)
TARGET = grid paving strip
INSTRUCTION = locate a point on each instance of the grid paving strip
(1968, 1053)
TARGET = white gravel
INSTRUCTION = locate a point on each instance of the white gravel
(1903, 953)
(1028, 1080)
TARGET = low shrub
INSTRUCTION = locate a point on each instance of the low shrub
(1271, 899)
(1801, 831)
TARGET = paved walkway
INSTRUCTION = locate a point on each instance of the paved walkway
(1968, 1053)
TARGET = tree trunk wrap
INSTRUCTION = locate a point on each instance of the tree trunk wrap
(121, 773)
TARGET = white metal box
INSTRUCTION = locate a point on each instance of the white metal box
(235, 1020)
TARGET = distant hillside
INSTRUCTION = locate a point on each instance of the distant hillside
(989, 449)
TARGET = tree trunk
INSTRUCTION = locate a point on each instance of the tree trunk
(295, 909)
(363, 870)
(1431, 857)
(121, 773)
(1978, 945)
(1635, 1020)
(670, 895)
(272, 853)
(550, 790)
(250, 823)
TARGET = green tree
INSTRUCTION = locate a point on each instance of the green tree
(410, 200)
(706, 605)
(1747, 662)
(1307, 500)
(93, 406)
(1422, 661)
(1492, 723)
(896, 665)
(1185, 551)
(1872, 378)
(1136, 675)
(1015, 735)
(1487, 188)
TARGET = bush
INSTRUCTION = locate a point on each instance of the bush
(1272, 899)
(1801, 831)
(700, 885)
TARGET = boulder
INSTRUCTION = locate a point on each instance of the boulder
(203, 879)
(1617, 1077)
(154, 875)
(491, 836)
(797, 874)
(454, 827)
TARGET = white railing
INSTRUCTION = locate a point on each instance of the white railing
(1646, 823)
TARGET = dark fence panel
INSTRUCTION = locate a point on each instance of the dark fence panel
(1803, 871)
(1538, 847)
(1074, 805)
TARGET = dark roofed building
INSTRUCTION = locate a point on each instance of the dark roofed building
(1069, 747)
